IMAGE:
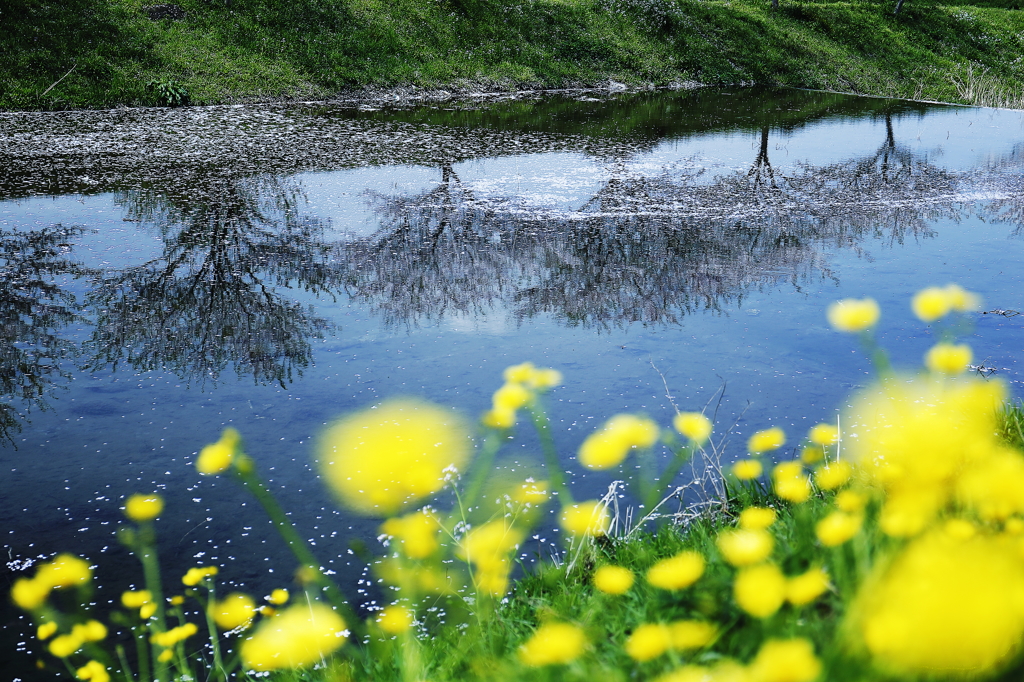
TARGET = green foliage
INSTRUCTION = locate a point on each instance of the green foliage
(168, 92)
(265, 50)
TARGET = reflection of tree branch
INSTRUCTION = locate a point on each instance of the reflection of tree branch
(206, 304)
(33, 309)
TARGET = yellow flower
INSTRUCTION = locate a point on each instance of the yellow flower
(853, 315)
(823, 434)
(133, 599)
(693, 425)
(961, 300)
(766, 439)
(416, 533)
(146, 611)
(760, 590)
(499, 419)
(613, 579)
(722, 671)
(176, 600)
(553, 644)
(692, 634)
(89, 631)
(944, 606)
(488, 546)
(930, 304)
(379, 460)
(786, 660)
(492, 581)
(46, 630)
(94, 671)
(648, 641)
(217, 457)
(278, 597)
(140, 508)
(994, 487)
(806, 587)
(29, 593)
(833, 475)
(790, 483)
(837, 528)
(907, 511)
(812, 454)
(677, 572)
(299, 636)
(742, 547)
(620, 434)
(511, 397)
(757, 518)
(395, 619)
(533, 377)
(65, 570)
(197, 574)
(746, 469)
(63, 646)
(851, 501)
(174, 635)
(585, 518)
(235, 610)
(948, 358)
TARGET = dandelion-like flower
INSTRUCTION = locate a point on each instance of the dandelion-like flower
(395, 619)
(93, 671)
(613, 579)
(806, 587)
(743, 547)
(930, 304)
(296, 637)
(197, 574)
(140, 508)
(837, 528)
(416, 533)
(948, 358)
(553, 644)
(677, 572)
(760, 590)
(766, 439)
(235, 610)
(693, 425)
(620, 434)
(648, 641)
(853, 315)
(382, 459)
(585, 518)
(217, 457)
(786, 660)
(747, 469)
(756, 518)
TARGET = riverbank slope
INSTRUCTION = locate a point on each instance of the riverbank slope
(105, 53)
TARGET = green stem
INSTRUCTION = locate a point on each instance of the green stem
(151, 570)
(483, 466)
(879, 358)
(211, 626)
(547, 444)
(680, 457)
(126, 668)
(298, 546)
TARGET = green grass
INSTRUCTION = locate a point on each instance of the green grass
(258, 50)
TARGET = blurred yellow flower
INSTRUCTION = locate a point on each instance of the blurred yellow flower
(553, 644)
(961, 300)
(63, 646)
(746, 469)
(944, 606)
(930, 304)
(89, 631)
(790, 483)
(837, 528)
(823, 434)
(94, 671)
(693, 425)
(488, 546)
(278, 597)
(296, 637)
(692, 634)
(853, 315)
(833, 475)
(648, 641)
(174, 635)
(743, 547)
(613, 579)
(235, 610)
(756, 518)
(994, 487)
(197, 574)
(395, 619)
(585, 518)
(533, 377)
(677, 572)
(140, 508)
(381, 459)
(806, 587)
(64, 570)
(46, 630)
(766, 439)
(217, 457)
(134, 599)
(812, 454)
(851, 501)
(785, 660)
(511, 397)
(620, 434)
(907, 510)
(415, 533)
(29, 594)
(948, 358)
(760, 590)
(499, 419)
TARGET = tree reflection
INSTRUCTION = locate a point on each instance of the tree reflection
(643, 249)
(211, 300)
(34, 309)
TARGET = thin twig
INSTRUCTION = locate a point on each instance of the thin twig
(60, 79)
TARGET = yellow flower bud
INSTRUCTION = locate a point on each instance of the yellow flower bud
(63, 646)
(613, 579)
(217, 457)
(742, 547)
(235, 610)
(760, 590)
(197, 574)
(790, 660)
(64, 570)
(692, 634)
(146, 611)
(677, 572)
(90, 631)
(499, 419)
(747, 469)
(648, 641)
(757, 518)
(395, 619)
(930, 304)
(837, 528)
(961, 300)
(853, 315)
(585, 518)
(29, 593)
(141, 508)
(620, 434)
(298, 636)
(46, 630)
(134, 599)
(851, 501)
(553, 644)
(833, 475)
(278, 597)
(765, 440)
(511, 397)
(693, 425)
(806, 587)
(948, 358)
(823, 434)
(94, 671)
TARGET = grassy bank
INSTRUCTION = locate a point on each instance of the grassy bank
(101, 53)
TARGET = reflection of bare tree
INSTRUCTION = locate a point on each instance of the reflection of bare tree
(33, 310)
(210, 301)
(642, 249)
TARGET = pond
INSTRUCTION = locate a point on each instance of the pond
(167, 273)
